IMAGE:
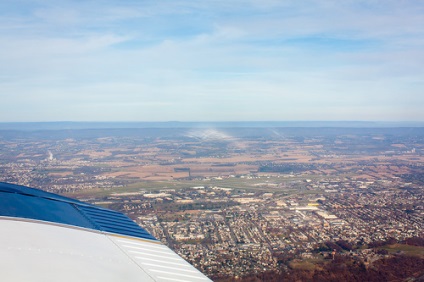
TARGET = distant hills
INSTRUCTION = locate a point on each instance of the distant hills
(67, 125)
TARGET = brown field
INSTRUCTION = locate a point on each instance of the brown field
(158, 160)
(158, 172)
(96, 154)
(211, 167)
(60, 174)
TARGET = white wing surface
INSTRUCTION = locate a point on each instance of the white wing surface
(47, 237)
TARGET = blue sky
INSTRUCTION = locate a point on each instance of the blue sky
(211, 60)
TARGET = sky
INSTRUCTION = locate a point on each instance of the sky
(211, 60)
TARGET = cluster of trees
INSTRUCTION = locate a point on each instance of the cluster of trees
(344, 268)
(399, 267)
(415, 241)
(286, 168)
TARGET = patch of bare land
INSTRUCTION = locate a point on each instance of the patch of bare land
(115, 161)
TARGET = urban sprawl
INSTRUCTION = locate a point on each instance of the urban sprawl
(237, 202)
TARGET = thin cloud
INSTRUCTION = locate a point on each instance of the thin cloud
(213, 60)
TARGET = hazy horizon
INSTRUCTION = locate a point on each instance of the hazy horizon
(72, 125)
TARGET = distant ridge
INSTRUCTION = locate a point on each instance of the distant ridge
(68, 125)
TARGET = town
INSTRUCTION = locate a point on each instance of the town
(241, 201)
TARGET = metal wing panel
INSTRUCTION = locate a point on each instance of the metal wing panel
(25, 202)
(159, 261)
(113, 222)
(44, 252)
(47, 237)
(32, 207)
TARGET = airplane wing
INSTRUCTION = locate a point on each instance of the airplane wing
(47, 237)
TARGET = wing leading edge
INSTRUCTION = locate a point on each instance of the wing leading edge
(47, 237)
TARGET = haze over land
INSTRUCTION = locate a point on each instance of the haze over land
(211, 60)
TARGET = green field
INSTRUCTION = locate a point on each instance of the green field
(405, 249)
(271, 184)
